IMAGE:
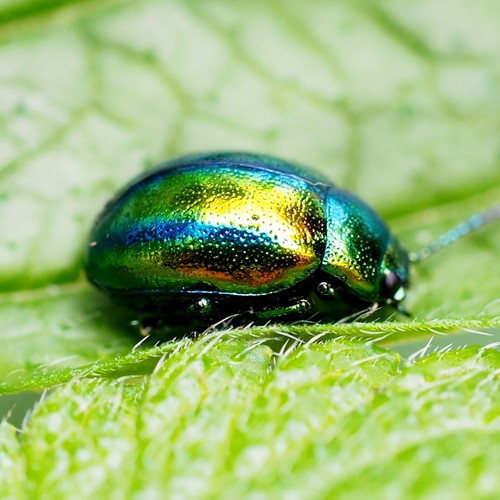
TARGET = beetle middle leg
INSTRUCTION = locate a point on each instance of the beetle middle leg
(296, 307)
(325, 289)
(202, 307)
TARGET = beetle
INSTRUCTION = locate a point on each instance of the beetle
(207, 236)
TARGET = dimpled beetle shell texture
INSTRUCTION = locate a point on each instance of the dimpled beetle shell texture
(242, 229)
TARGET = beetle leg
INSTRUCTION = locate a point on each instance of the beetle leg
(147, 326)
(143, 327)
(402, 310)
(326, 290)
(201, 307)
(298, 307)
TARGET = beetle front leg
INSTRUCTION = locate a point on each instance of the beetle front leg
(298, 307)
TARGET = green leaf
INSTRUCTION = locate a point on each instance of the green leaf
(394, 100)
(214, 421)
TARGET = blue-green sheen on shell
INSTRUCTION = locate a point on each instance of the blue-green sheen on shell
(241, 226)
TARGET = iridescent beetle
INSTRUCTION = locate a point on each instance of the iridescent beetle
(208, 236)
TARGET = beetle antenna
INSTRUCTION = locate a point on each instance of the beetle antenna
(472, 224)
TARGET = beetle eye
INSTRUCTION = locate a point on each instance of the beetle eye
(391, 285)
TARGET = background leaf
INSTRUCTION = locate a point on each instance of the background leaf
(394, 100)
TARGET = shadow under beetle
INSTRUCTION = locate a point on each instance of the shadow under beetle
(213, 235)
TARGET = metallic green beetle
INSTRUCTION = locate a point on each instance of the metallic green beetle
(206, 236)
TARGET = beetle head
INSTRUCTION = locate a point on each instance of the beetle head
(394, 278)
